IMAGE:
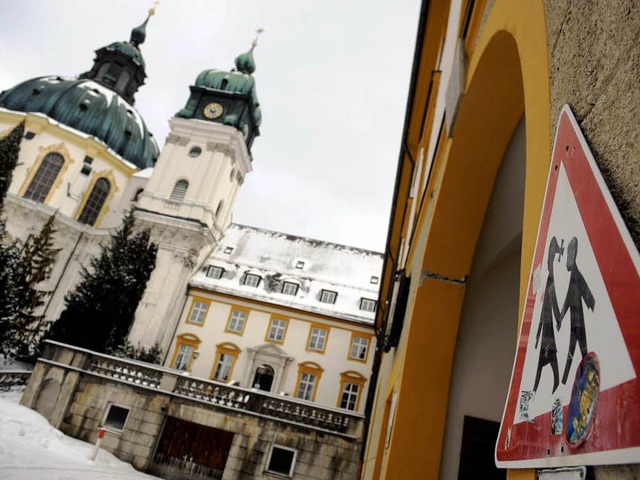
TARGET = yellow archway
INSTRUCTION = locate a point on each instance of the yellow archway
(507, 76)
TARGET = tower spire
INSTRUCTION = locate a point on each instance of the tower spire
(139, 33)
(254, 44)
(245, 62)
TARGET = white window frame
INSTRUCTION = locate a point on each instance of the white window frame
(318, 339)
(215, 272)
(198, 312)
(189, 349)
(293, 460)
(290, 288)
(236, 322)
(305, 384)
(351, 395)
(251, 279)
(225, 363)
(106, 415)
(357, 345)
(328, 296)
(277, 330)
(368, 304)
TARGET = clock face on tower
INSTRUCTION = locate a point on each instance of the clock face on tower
(213, 110)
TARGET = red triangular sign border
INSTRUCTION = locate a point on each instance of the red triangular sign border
(615, 435)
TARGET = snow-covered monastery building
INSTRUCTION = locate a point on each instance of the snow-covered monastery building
(283, 314)
(226, 302)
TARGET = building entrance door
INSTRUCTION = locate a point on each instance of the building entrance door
(476, 455)
(191, 450)
(263, 379)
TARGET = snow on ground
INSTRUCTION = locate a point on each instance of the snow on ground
(32, 449)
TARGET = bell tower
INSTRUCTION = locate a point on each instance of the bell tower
(188, 200)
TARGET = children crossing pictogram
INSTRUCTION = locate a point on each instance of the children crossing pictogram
(579, 320)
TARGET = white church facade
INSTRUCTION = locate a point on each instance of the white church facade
(234, 304)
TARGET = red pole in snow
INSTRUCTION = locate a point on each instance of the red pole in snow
(96, 447)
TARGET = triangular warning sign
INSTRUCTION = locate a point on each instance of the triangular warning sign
(574, 397)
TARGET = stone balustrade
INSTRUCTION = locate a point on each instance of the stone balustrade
(125, 370)
(210, 393)
(266, 404)
(13, 379)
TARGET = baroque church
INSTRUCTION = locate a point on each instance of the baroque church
(231, 303)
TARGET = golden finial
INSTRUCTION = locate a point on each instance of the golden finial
(152, 10)
(254, 44)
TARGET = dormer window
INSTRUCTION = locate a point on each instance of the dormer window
(374, 280)
(367, 305)
(290, 288)
(215, 272)
(328, 296)
(228, 250)
(299, 264)
(251, 279)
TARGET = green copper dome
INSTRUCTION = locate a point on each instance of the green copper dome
(127, 49)
(227, 97)
(89, 107)
(99, 102)
(231, 82)
(245, 62)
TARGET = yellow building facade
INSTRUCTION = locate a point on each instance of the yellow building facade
(489, 81)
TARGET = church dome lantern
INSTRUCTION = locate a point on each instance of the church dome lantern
(99, 102)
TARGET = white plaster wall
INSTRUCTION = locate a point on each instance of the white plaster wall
(215, 175)
(334, 361)
(487, 332)
(78, 243)
(68, 190)
(182, 246)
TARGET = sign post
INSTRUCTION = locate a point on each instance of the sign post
(574, 397)
(96, 447)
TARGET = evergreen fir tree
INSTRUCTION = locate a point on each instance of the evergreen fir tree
(37, 259)
(100, 311)
(9, 152)
(152, 354)
(22, 329)
(9, 253)
(10, 290)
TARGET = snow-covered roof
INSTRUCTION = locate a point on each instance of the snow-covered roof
(146, 173)
(314, 265)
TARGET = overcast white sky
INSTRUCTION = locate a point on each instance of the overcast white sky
(332, 79)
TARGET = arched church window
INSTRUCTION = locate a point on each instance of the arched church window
(95, 202)
(179, 191)
(45, 176)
